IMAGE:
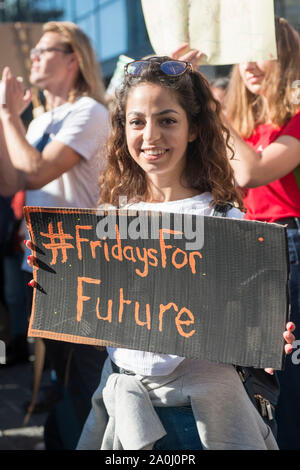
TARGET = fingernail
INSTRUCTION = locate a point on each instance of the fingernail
(290, 347)
(32, 283)
(290, 326)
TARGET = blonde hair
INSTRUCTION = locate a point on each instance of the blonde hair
(89, 81)
(246, 110)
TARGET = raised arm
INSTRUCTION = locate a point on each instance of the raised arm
(22, 163)
(254, 169)
(37, 168)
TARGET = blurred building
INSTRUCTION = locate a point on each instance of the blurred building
(115, 26)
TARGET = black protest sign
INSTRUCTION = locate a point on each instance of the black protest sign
(195, 286)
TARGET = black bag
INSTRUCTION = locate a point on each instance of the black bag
(261, 387)
(263, 390)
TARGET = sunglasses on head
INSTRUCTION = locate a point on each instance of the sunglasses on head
(172, 68)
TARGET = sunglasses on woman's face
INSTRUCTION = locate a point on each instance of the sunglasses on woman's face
(172, 68)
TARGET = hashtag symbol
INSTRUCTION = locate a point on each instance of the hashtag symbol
(54, 246)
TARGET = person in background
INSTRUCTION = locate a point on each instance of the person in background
(263, 111)
(14, 286)
(56, 161)
(7, 222)
(218, 87)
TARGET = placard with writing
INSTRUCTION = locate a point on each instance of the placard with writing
(195, 286)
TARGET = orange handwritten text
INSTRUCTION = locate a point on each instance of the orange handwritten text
(83, 298)
(79, 239)
(120, 309)
(143, 257)
(61, 244)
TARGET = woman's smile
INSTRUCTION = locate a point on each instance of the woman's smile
(153, 153)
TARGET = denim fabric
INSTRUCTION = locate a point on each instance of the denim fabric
(180, 425)
(288, 409)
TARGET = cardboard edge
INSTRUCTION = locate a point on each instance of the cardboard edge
(32, 332)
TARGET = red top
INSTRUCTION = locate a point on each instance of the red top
(281, 198)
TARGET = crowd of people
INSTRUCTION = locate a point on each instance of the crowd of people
(171, 141)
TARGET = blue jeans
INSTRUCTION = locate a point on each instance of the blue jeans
(180, 425)
(288, 409)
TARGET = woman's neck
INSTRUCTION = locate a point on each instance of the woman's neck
(165, 193)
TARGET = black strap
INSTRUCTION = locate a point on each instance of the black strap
(220, 210)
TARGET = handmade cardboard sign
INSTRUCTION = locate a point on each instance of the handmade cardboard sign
(225, 31)
(195, 286)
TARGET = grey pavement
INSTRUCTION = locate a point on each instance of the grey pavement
(15, 391)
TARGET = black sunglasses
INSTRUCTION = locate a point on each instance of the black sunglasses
(172, 68)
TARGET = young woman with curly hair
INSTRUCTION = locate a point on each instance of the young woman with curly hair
(168, 152)
(205, 168)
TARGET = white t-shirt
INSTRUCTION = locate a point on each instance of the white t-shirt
(83, 126)
(144, 362)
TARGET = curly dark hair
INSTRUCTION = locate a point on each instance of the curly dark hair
(207, 164)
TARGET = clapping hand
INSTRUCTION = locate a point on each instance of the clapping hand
(15, 99)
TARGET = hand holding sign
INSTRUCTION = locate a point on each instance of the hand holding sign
(289, 338)
(183, 53)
